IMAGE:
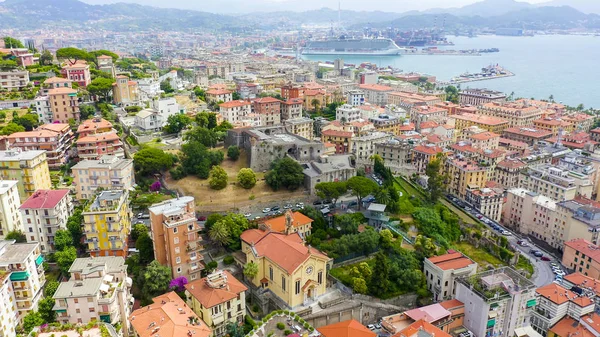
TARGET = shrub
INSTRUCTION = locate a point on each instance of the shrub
(287, 332)
(280, 326)
(233, 152)
(228, 260)
(306, 326)
(255, 308)
(251, 197)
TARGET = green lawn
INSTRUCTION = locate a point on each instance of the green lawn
(154, 144)
(478, 255)
(461, 214)
(524, 264)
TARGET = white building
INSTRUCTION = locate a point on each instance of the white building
(355, 97)
(235, 111)
(24, 263)
(347, 113)
(363, 147)
(97, 291)
(110, 172)
(10, 217)
(148, 88)
(16, 79)
(441, 273)
(44, 213)
(43, 110)
(149, 120)
(291, 109)
(166, 107)
(8, 318)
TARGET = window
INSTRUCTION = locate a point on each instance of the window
(176, 241)
(92, 309)
(271, 273)
(177, 250)
(297, 287)
(446, 284)
(178, 270)
(178, 260)
(320, 277)
(77, 311)
(175, 230)
(283, 283)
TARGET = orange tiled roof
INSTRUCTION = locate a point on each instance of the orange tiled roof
(57, 127)
(585, 247)
(453, 303)
(165, 315)
(484, 135)
(209, 297)
(415, 328)
(570, 327)
(218, 92)
(350, 328)
(486, 120)
(234, 104)
(98, 137)
(267, 99)
(337, 133)
(55, 79)
(92, 125)
(62, 91)
(375, 87)
(528, 132)
(555, 293)
(584, 281)
(278, 224)
(452, 260)
(432, 150)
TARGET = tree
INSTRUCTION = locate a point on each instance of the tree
(145, 247)
(29, 121)
(363, 270)
(72, 55)
(86, 111)
(235, 330)
(347, 223)
(212, 219)
(176, 123)
(65, 258)
(156, 279)
(235, 96)
(166, 87)
(32, 320)
(382, 196)
(285, 173)
(220, 234)
(50, 288)
(580, 107)
(62, 239)
(45, 306)
(149, 161)
(74, 226)
(178, 283)
(93, 55)
(331, 190)
(360, 187)
(10, 43)
(251, 270)
(380, 282)
(435, 181)
(138, 230)
(386, 238)
(233, 152)
(425, 246)
(246, 178)
(315, 103)
(197, 160)
(218, 178)
(359, 285)
(202, 135)
(46, 58)
(18, 236)
(451, 94)
(101, 86)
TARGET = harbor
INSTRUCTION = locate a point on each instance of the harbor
(488, 73)
(435, 51)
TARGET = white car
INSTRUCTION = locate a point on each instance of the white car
(247, 215)
(266, 210)
(505, 232)
(371, 327)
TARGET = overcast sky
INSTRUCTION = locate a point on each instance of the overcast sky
(242, 6)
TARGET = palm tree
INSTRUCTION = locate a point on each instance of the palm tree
(220, 234)
(343, 120)
(250, 270)
(315, 103)
(382, 196)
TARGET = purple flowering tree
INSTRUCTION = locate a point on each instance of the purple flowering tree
(155, 187)
(178, 283)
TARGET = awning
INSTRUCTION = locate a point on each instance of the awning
(494, 305)
(104, 287)
(264, 280)
(491, 323)
(19, 275)
(61, 310)
(492, 314)
(108, 278)
(105, 318)
(531, 303)
(39, 260)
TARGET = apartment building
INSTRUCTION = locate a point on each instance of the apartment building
(105, 63)
(487, 201)
(56, 139)
(23, 261)
(29, 168)
(579, 121)
(556, 182)
(218, 299)
(527, 135)
(78, 72)
(64, 105)
(388, 123)
(376, 94)
(396, 155)
(570, 327)
(423, 155)
(484, 140)
(291, 109)
(442, 271)
(341, 139)
(315, 95)
(401, 98)
(10, 218)
(170, 315)
(588, 286)
(518, 113)
(355, 97)
(125, 92)
(480, 96)
(421, 114)
(507, 172)
(95, 146)
(553, 303)
(235, 111)
(219, 95)
(581, 255)
(464, 175)
(434, 320)
(108, 172)
(9, 319)
(269, 109)
(554, 125)
(491, 124)
(348, 113)
(176, 238)
(575, 219)
(44, 213)
(107, 223)
(302, 127)
(14, 79)
(290, 91)
(289, 279)
(98, 290)
(43, 110)
(55, 83)
(363, 147)
(529, 213)
(497, 302)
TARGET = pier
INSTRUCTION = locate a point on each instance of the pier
(488, 73)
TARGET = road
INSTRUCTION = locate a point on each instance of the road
(543, 273)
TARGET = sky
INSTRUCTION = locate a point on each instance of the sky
(245, 6)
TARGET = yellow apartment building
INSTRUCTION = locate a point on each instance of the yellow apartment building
(29, 168)
(462, 175)
(107, 223)
(488, 123)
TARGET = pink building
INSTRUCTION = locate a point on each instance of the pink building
(97, 145)
(78, 72)
(23, 55)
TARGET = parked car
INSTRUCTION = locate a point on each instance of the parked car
(505, 232)
(266, 210)
(318, 202)
(538, 254)
(479, 216)
(545, 258)
(275, 208)
(533, 251)
(371, 327)
(247, 215)
(288, 206)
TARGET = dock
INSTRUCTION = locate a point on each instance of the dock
(488, 73)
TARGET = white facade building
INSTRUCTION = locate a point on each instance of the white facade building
(355, 97)
(347, 113)
(10, 217)
(42, 108)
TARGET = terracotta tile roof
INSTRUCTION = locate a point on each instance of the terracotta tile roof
(450, 304)
(32, 134)
(61, 91)
(57, 127)
(570, 327)
(420, 329)
(55, 79)
(350, 328)
(375, 87)
(407, 127)
(312, 92)
(337, 133)
(93, 124)
(209, 296)
(555, 293)
(218, 92)
(596, 130)
(584, 281)
(293, 101)
(511, 163)
(480, 119)
(429, 313)
(98, 137)
(431, 150)
(287, 251)
(234, 104)
(267, 99)
(452, 260)
(278, 224)
(484, 136)
(582, 301)
(165, 315)
(44, 199)
(585, 247)
(428, 125)
(528, 132)
(550, 122)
